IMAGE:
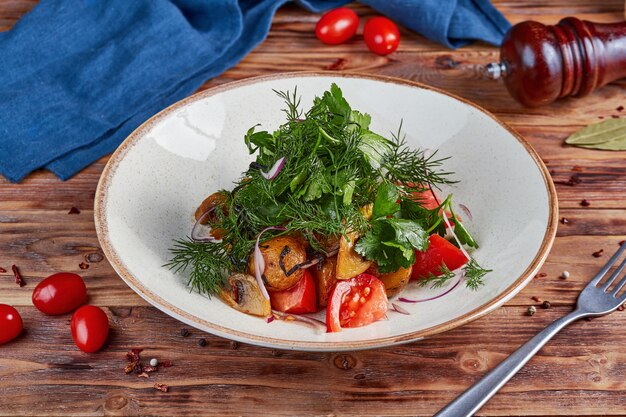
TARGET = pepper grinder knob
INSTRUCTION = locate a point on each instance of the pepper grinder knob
(540, 64)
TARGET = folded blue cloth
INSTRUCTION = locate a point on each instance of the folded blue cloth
(77, 77)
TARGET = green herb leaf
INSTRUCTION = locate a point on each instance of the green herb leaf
(386, 202)
(392, 243)
(437, 281)
(607, 135)
(474, 274)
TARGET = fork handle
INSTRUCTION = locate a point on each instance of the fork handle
(475, 397)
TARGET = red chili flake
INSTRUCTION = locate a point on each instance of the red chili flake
(338, 65)
(599, 253)
(621, 242)
(166, 363)
(2, 270)
(614, 116)
(541, 275)
(577, 168)
(149, 368)
(620, 308)
(585, 203)
(572, 181)
(552, 172)
(133, 355)
(600, 117)
(161, 387)
(620, 108)
(143, 375)
(18, 277)
(564, 220)
(129, 368)
(74, 210)
(536, 299)
(83, 265)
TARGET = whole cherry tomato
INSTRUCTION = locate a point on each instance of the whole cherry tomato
(337, 26)
(90, 328)
(381, 35)
(60, 293)
(10, 323)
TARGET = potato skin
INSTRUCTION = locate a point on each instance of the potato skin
(325, 278)
(349, 262)
(276, 280)
(394, 281)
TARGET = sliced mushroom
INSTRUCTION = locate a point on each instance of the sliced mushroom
(243, 293)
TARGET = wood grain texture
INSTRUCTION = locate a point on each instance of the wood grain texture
(581, 372)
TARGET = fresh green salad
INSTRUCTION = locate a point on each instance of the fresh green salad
(329, 215)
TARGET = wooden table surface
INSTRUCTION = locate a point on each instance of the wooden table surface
(581, 372)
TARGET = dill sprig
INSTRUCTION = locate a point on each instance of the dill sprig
(437, 281)
(474, 274)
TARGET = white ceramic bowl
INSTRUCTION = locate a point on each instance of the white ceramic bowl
(159, 175)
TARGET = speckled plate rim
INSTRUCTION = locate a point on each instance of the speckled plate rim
(100, 218)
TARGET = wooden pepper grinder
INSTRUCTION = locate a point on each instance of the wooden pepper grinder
(541, 63)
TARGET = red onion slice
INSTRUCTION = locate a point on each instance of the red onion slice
(269, 319)
(466, 211)
(304, 319)
(451, 229)
(275, 169)
(399, 309)
(259, 261)
(434, 297)
(195, 231)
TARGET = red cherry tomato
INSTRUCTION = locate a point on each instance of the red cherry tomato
(60, 293)
(337, 26)
(90, 328)
(10, 323)
(381, 35)
(439, 251)
(299, 299)
(356, 302)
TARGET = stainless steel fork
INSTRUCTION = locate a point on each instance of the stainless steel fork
(595, 300)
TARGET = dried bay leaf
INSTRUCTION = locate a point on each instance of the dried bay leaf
(607, 135)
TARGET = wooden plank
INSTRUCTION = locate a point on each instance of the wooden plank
(416, 379)
(578, 373)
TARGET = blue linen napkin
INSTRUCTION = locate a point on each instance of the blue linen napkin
(77, 77)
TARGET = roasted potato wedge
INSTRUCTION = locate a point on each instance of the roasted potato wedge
(281, 255)
(325, 278)
(394, 281)
(214, 200)
(350, 263)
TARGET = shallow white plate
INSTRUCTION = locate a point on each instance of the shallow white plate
(155, 180)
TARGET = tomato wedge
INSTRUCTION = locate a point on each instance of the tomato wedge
(429, 200)
(356, 302)
(439, 252)
(299, 299)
